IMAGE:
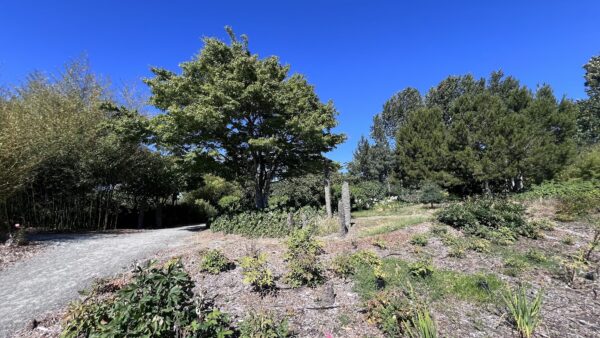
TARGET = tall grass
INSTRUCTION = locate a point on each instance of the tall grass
(524, 314)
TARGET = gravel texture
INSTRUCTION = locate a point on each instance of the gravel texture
(49, 280)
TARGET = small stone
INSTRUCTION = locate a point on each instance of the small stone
(592, 275)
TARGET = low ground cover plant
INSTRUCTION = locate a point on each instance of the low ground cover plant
(264, 324)
(419, 239)
(158, 295)
(493, 219)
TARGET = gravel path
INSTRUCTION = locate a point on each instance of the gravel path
(52, 278)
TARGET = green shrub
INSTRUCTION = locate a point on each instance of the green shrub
(439, 230)
(161, 296)
(206, 208)
(345, 265)
(458, 250)
(419, 239)
(365, 194)
(303, 261)
(421, 268)
(389, 309)
(257, 273)
(568, 240)
(264, 325)
(479, 245)
(431, 193)
(214, 261)
(524, 314)
(493, 219)
(514, 266)
(269, 223)
(536, 256)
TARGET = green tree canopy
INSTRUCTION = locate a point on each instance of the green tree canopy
(242, 115)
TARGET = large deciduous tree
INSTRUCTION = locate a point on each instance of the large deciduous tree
(244, 116)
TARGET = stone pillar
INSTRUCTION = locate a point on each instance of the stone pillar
(342, 219)
(328, 198)
(346, 204)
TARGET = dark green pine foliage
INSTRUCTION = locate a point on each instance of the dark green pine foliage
(396, 109)
(588, 120)
(477, 136)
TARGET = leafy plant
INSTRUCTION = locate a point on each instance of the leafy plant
(264, 325)
(389, 309)
(489, 218)
(421, 325)
(524, 314)
(479, 245)
(419, 239)
(302, 257)
(162, 297)
(380, 243)
(257, 273)
(214, 261)
(568, 240)
(268, 223)
(345, 265)
(421, 268)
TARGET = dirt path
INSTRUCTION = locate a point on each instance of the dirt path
(52, 278)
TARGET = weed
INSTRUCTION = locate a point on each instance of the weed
(479, 245)
(421, 268)
(536, 256)
(439, 230)
(514, 266)
(388, 310)
(421, 325)
(380, 243)
(568, 240)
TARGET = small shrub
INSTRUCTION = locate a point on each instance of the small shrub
(514, 266)
(380, 243)
(568, 240)
(420, 240)
(530, 230)
(421, 268)
(572, 266)
(544, 224)
(257, 273)
(503, 236)
(536, 256)
(214, 262)
(264, 325)
(479, 245)
(524, 314)
(302, 257)
(431, 193)
(163, 293)
(345, 265)
(388, 310)
(458, 250)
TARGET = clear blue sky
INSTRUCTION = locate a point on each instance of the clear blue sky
(357, 53)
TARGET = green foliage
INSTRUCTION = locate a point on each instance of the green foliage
(476, 135)
(268, 223)
(258, 125)
(588, 120)
(525, 314)
(264, 325)
(257, 273)
(297, 192)
(494, 219)
(586, 166)
(431, 193)
(158, 303)
(214, 261)
(365, 194)
(479, 245)
(302, 257)
(421, 268)
(421, 325)
(568, 240)
(389, 310)
(345, 265)
(419, 239)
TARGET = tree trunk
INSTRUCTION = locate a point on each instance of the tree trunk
(343, 228)
(346, 204)
(158, 215)
(328, 198)
(140, 220)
